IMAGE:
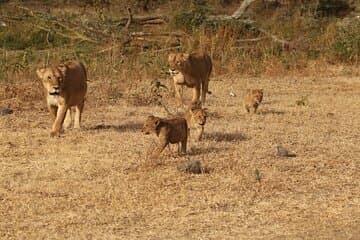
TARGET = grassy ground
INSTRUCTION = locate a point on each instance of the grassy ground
(97, 183)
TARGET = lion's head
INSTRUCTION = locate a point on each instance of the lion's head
(52, 78)
(198, 115)
(177, 62)
(150, 125)
(258, 94)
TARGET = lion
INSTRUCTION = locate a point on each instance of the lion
(174, 130)
(252, 99)
(65, 86)
(196, 119)
(192, 70)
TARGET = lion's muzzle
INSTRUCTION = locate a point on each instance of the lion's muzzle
(145, 132)
(55, 91)
(173, 72)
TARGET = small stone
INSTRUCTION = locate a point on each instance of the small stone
(283, 152)
(5, 111)
(191, 167)
(232, 94)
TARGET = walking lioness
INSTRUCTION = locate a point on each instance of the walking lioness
(192, 70)
(64, 86)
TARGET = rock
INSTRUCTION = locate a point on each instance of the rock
(5, 111)
(283, 152)
(192, 167)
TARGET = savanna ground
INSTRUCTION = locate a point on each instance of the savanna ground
(97, 183)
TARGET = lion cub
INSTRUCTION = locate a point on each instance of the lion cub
(169, 131)
(64, 86)
(252, 99)
(196, 119)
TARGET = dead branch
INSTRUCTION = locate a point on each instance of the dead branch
(238, 14)
(276, 39)
(240, 11)
(161, 50)
(130, 18)
(143, 20)
(251, 40)
(47, 18)
(152, 34)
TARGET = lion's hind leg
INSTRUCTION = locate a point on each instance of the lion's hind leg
(79, 109)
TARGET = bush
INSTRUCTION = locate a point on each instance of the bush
(38, 39)
(193, 19)
(347, 42)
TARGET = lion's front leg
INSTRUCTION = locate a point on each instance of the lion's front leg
(199, 133)
(196, 95)
(163, 143)
(67, 121)
(178, 91)
(59, 120)
(53, 110)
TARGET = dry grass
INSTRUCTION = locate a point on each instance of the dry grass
(97, 183)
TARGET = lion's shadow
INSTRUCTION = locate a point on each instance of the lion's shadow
(271, 111)
(196, 150)
(225, 137)
(130, 126)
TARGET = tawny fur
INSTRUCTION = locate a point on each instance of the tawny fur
(172, 131)
(65, 86)
(252, 100)
(192, 70)
(196, 119)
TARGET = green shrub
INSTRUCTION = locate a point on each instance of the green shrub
(37, 39)
(193, 19)
(347, 42)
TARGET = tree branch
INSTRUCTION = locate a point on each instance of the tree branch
(129, 19)
(240, 11)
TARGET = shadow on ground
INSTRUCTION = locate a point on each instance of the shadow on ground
(271, 111)
(195, 150)
(269, 102)
(133, 126)
(225, 137)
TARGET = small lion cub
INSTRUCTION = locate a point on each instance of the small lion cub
(169, 131)
(196, 119)
(252, 99)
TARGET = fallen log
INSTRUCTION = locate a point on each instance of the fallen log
(143, 20)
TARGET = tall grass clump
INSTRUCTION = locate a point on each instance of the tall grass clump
(346, 46)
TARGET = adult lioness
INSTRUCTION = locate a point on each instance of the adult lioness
(64, 86)
(192, 70)
(172, 130)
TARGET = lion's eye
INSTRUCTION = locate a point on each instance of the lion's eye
(49, 77)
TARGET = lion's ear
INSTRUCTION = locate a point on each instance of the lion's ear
(171, 57)
(40, 72)
(157, 122)
(62, 68)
